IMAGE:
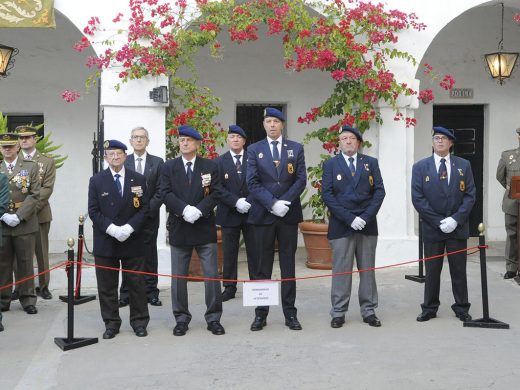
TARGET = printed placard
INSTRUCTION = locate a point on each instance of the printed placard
(260, 294)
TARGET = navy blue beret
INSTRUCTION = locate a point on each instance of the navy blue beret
(234, 129)
(273, 112)
(352, 130)
(188, 131)
(114, 144)
(442, 130)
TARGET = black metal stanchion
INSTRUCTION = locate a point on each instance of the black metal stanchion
(78, 298)
(419, 278)
(486, 321)
(70, 342)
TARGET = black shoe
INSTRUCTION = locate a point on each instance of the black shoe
(228, 293)
(1, 327)
(216, 328)
(426, 316)
(30, 309)
(180, 329)
(15, 295)
(337, 322)
(45, 293)
(110, 333)
(463, 316)
(507, 275)
(124, 302)
(293, 323)
(372, 320)
(141, 331)
(258, 323)
(155, 301)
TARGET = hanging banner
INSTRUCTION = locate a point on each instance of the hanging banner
(27, 13)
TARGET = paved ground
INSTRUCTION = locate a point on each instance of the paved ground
(402, 354)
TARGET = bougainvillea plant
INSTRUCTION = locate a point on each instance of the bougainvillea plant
(351, 40)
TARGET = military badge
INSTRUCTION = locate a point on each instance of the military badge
(226, 176)
(290, 168)
(427, 179)
(338, 177)
(460, 172)
(206, 181)
(22, 181)
(137, 191)
(106, 144)
(137, 203)
(104, 194)
(371, 180)
(260, 155)
(290, 153)
(462, 185)
(11, 206)
(366, 167)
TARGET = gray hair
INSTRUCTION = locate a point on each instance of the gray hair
(139, 128)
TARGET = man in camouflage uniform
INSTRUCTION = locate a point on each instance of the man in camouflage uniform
(509, 166)
(19, 223)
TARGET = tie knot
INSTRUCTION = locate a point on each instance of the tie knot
(351, 159)
(139, 159)
(188, 164)
(274, 143)
(117, 175)
(443, 160)
(238, 156)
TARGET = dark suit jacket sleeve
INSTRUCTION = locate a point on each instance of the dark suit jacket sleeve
(327, 193)
(468, 200)
(421, 204)
(156, 199)
(298, 186)
(4, 194)
(256, 189)
(94, 210)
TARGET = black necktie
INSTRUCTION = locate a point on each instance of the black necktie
(238, 165)
(276, 155)
(189, 172)
(118, 184)
(351, 166)
(443, 172)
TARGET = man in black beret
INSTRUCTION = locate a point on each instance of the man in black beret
(117, 206)
(443, 193)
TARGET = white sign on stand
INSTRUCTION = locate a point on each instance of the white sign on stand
(260, 294)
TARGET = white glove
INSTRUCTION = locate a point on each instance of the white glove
(191, 214)
(11, 219)
(242, 205)
(280, 208)
(358, 223)
(448, 225)
(124, 232)
(112, 230)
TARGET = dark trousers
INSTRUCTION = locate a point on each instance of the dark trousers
(459, 283)
(230, 245)
(287, 237)
(150, 265)
(107, 282)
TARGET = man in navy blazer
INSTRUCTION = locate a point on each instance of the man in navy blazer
(353, 190)
(148, 165)
(117, 206)
(276, 177)
(232, 210)
(189, 187)
(443, 193)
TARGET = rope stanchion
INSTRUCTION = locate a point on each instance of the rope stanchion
(485, 321)
(70, 342)
(78, 298)
(420, 278)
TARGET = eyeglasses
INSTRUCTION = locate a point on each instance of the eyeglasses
(139, 137)
(440, 138)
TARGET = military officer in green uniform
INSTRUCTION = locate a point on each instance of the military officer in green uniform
(19, 223)
(4, 202)
(509, 166)
(27, 137)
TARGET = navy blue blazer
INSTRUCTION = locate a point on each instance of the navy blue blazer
(152, 172)
(106, 206)
(348, 197)
(266, 186)
(233, 188)
(177, 194)
(434, 202)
